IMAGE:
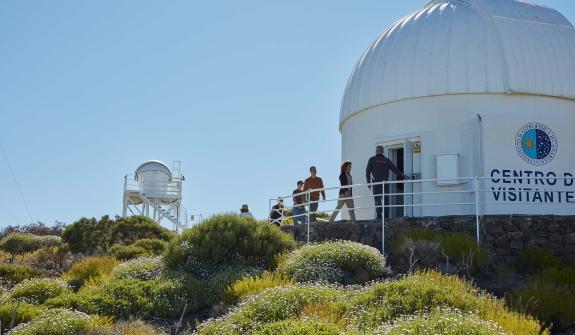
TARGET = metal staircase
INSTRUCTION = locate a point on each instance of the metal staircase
(157, 199)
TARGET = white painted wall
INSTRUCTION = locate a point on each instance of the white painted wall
(449, 124)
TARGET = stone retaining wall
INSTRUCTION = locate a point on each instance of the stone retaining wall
(504, 235)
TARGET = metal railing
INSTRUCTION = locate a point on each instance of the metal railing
(171, 189)
(468, 193)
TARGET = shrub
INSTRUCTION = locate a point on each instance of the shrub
(299, 327)
(53, 260)
(90, 268)
(128, 230)
(18, 312)
(273, 305)
(153, 246)
(144, 268)
(16, 273)
(228, 239)
(550, 296)
(252, 285)
(127, 252)
(38, 290)
(366, 309)
(19, 244)
(430, 247)
(443, 321)
(50, 241)
(88, 236)
(135, 327)
(336, 262)
(462, 248)
(538, 259)
(55, 322)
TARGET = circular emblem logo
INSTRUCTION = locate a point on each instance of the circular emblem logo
(536, 143)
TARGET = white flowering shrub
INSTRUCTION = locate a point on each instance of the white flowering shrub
(420, 304)
(54, 322)
(334, 261)
(38, 290)
(143, 268)
(442, 321)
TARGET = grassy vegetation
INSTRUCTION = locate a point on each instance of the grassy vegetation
(110, 272)
(430, 249)
(367, 310)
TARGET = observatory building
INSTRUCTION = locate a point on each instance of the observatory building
(463, 89)
(156, 191)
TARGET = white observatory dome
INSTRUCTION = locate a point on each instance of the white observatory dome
(153, 166)
(466, 47)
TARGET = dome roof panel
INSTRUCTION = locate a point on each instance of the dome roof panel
(466, 46)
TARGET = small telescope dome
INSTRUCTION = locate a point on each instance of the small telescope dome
(152, 167)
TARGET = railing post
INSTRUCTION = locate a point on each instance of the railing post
(383, 204)
(308, 212)
(477, 208)
(270, 211)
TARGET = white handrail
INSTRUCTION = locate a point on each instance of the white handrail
(475, 189)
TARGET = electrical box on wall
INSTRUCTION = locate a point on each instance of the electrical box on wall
(447, 167)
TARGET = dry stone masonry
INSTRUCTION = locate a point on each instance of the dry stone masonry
(504, 235)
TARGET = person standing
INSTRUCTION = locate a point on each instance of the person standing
(245, 212)
(345, 193)
(299, 201)
(277, 213)
(313, 182)
(377, 170)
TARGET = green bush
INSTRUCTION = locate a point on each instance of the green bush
(133, 327)
(19, 244)
(252, 285)
(538, 259)
(462, 248)
(144, 268)
(55, 322)
(89, 268)
(50, 241)
(127, 252)
(441, 321)
(15, 273)
(550, 296)
(16, 313)
(335, 262)
(88, 236)
(228, 239)
(91, 236)
(162, 297)
(38, 290)
(359, 310)
(53, 260)
(128, 230)
(153, 246)
(299, 327)
(430, 248)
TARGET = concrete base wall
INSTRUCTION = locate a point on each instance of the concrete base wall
(504, 235)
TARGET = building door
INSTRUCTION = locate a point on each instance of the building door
(405, 155)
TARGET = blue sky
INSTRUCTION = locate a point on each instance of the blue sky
(245, 93)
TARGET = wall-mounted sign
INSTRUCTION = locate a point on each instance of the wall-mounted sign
(416, 147)
(536, 143)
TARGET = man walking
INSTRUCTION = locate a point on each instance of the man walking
(313, 182)
(377, 171)
(299, 201)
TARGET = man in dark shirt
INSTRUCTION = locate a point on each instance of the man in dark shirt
(277, 213)
(377, 170)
